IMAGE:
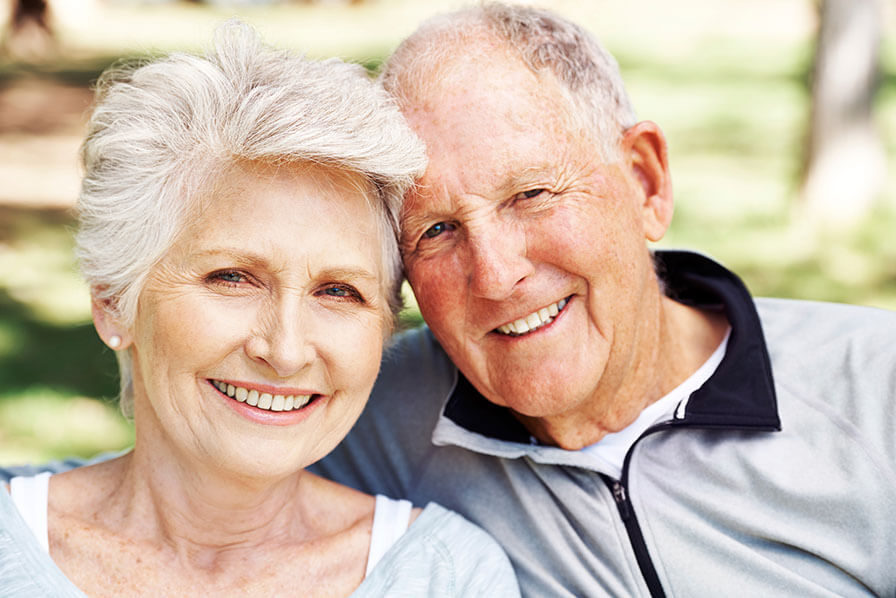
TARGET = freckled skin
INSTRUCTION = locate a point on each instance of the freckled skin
(276, 327)
(495, 131)
(278, 281)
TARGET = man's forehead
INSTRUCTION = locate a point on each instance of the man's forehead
(483, 101)
(449, 184)
(492, 126)
(466, 66)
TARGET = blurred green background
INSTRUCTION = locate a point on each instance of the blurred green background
(726, 79)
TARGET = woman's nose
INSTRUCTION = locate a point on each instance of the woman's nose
(281, 339)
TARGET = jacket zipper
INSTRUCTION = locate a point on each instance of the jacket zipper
(619, 489)
(627, 513)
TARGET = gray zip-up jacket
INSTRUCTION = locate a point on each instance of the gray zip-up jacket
(777, 478)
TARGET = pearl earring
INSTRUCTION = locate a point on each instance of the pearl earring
(114, 341)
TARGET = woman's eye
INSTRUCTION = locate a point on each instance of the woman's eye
(341, 291)
(229, 277)
(437, 229)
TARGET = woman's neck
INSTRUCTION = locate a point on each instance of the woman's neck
(161, 526)
(203, 515)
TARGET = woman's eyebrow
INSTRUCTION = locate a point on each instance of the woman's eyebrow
(350, 273)
(249, 258)
(239, 255)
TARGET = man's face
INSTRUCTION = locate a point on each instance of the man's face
(525, 251)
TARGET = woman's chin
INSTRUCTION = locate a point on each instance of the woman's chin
(260, 459)
(255, 468)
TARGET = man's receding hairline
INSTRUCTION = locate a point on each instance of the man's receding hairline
(497, 53)
(448, 60)
(477, 35)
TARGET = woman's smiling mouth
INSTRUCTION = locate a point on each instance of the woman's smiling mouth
(262, 400)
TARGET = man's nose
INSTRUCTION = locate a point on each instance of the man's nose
(498, 260)
(282, 338)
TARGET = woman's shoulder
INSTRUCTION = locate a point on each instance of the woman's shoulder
(466, 542)
(25, 568)
(442, 554)
(8, 472)
(447, 525)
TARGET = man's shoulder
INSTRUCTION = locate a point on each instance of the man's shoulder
(394, 432)
(415, 362)
(836, 360)
(793, 321)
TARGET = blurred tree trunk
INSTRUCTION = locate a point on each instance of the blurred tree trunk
(845, 165)
(29, 35)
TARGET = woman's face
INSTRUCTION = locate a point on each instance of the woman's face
(258, 337)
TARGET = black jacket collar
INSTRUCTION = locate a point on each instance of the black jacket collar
(739, 395)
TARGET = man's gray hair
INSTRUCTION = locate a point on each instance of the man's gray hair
(543, 40)
(162, 132)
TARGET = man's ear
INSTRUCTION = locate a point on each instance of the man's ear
(644, 149)
(108, 325)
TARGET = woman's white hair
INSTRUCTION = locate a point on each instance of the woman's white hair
(162, 132)
(543, 40)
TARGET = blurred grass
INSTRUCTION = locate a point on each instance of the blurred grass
(726, 81)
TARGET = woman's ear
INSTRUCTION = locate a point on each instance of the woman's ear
(108, 325)
(644, 148)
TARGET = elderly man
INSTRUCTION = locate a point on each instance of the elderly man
(623, 423)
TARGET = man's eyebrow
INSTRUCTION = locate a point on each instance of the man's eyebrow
(525, 177)
(513, 182)
(411, 222)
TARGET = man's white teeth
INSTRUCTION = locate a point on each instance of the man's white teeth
(533, 321)
(262, 400)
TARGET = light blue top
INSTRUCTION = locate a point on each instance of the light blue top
(440, 555)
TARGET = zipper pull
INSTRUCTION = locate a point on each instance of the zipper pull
(621, 498)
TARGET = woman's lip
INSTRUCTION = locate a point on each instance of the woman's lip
(268, 417)
(265, 408)
(266, 388)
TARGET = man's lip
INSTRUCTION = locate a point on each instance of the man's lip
(535, 320)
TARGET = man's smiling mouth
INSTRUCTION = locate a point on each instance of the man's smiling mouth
(533, 321)
(262, 400)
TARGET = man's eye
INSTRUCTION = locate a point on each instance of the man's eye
(530, 193)
(437, 229)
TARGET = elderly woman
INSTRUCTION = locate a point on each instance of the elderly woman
(238, 235)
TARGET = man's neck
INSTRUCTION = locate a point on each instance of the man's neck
(683, 339)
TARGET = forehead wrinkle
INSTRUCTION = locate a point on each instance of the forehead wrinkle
(348, 274)
(424, 202)
(516, 179)
(241, 255)
(411, 221)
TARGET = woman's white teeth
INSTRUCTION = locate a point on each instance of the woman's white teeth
(262, 400)
(533, 321)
